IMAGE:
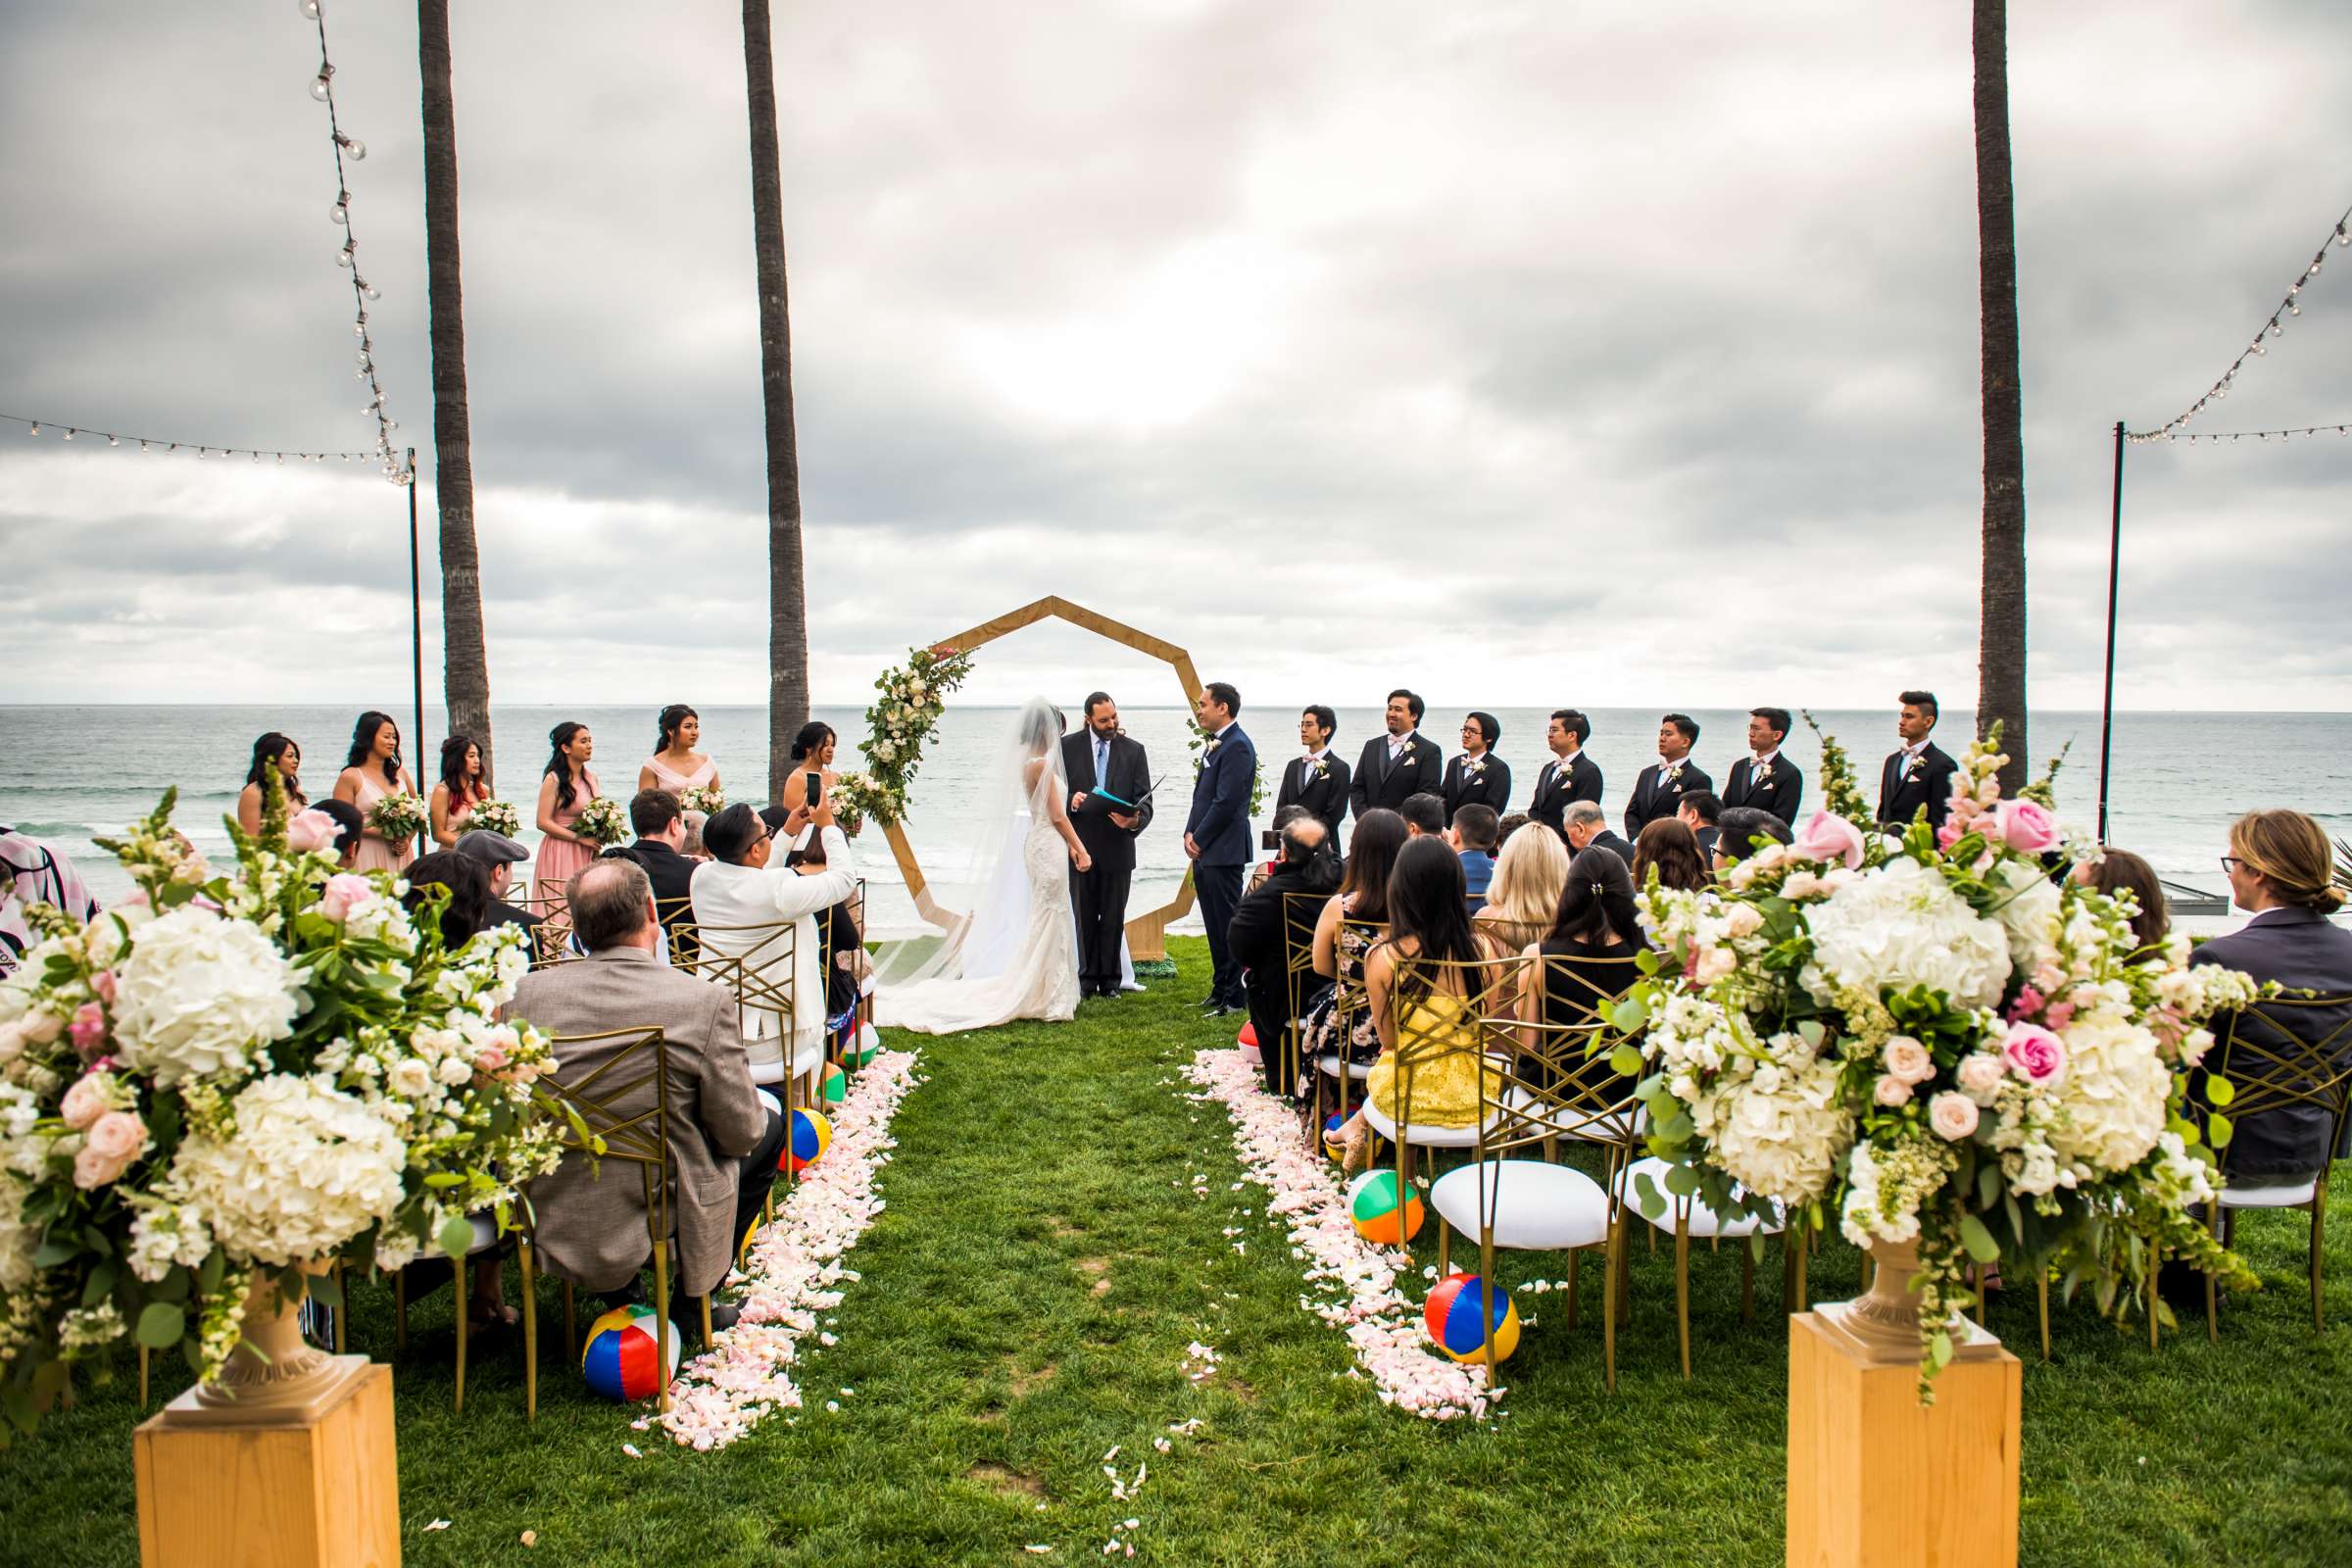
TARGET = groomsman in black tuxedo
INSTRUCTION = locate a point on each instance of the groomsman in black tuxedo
(1400, 764)
(1317, 781)
(1478, 776)
(1100, 756)
(1659, 791)
(1700, 811)
(1216, 839)
(1570, 775)
(1765, 779)
(1921, 772)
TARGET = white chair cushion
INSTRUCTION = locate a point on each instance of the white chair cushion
(2294, 1197)
(485, 1234)
(767, 1065)
(769, 1101)
(1328, 1064)
(1705, 1222)
(1537, 1206)
(1419, 1136)
(1574, 1125)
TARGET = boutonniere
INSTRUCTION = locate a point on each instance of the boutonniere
(1764, 773)
(1914, 767)
(1210, 750)
(1674, 772)
(1472, 768)
(1320, 768)
(1405, 753)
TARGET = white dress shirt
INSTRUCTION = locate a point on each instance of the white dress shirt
(763, 897)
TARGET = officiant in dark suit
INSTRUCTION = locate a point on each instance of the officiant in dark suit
(1101, 757)
(1400, 764)
(1317, 781)
(1921, 772)
(1216, 838)
(1570, 775)
(1764, 778)
(1658, 792)
(1478, 777)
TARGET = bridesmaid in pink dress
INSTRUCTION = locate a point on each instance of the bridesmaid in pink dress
(371, 772)
(676, 765)
(564, 788)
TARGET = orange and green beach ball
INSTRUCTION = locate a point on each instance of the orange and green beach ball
(1372, 1207)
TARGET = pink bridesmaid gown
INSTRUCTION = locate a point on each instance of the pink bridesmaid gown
(560, 859)
(673, 781)
(375, 853)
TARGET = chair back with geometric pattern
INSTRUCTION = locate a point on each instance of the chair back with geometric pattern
(2280, 1054)
(1301, 911)
(757, 964)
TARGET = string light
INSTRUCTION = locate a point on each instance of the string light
(2291, 306)
(2344, 430)
(347, 255)
(156, 444)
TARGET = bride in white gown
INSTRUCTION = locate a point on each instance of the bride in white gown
(1016, 955)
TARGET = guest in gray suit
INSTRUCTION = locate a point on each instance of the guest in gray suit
(723, 1137)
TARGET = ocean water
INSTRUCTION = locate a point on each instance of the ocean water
(2178, 780)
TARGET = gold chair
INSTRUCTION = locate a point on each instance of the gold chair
(1349, 1005)
(552, 936)
(1300, 913)
(2288, 1053)
(1439, 1017)
(760, 964)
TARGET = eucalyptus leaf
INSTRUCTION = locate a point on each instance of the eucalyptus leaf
(2219, 1130)
(1940, 1349)
(1681, 1181)
(1988, 1184)
(1624, 1061)
(1629, 1014)
(456, 1236)
(162, 1325)
(1977, 1240)
(2218, 1090)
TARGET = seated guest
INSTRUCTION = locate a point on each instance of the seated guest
(1473, 838)
(723, 1138)
(2117, 873)
(691, 843)
(1509, 826)
(1699, 813)
(1664, 782)
(350, 828)
(1742, 826)
(1587, 824)
(740, 897)
(1284, 817)
(1673, 849)
(2281, 870)
(1525, 894)
(1478, 776)
(842, 933)
(1316, 780)
(1423, 813)
(498, 856)
(467, 886)
(660, 828)
(1764, 778)
(1919, 772)
(1342, 936)
(1586, 959)
(1257, 938)
(1570, 775)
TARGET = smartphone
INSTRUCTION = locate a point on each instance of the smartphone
(813, 788)
(1269, 840)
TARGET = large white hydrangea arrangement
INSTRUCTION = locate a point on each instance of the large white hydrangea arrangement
(1927, 1036)
(241, 1073)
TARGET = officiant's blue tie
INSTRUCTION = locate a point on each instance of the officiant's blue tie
(1102, 761)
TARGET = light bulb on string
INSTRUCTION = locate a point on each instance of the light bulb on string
(113, 441)
(343, 257)
(310, 8)
(340, 212)
(359, 329)
(143, 447)
(321, 86)
(353, 148)
(368, 289)
(2275, 328)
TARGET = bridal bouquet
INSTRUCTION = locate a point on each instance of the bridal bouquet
(399, 817)
(495, 816)
(232, 1076)
(1929, 1037)
(602, 821)
(708, 799)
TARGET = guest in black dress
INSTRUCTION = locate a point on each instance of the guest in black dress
(1589, 958)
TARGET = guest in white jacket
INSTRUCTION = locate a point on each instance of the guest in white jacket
(739, 888)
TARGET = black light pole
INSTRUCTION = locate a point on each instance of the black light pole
(416, 629)
(2115, 555)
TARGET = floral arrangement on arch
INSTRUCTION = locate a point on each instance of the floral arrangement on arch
(913, 695)
(602, 821)
(495, 816)
(1929, 1037)
(399, 817)
(233, 1078)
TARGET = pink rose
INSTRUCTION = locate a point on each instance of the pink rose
(345, 893)
(1906, 1058)
(491, 1059)
(1981, 1074)
(2058, 1013)
(310, 831)
(91, 1169)
(42, 1027)
(2026, 825)
(89, 1025)
(1827, 838)
(2034, 1054)
(1953, 1116)
(85, 1101)
(117, 1137)
(103, 982)
(1891, 1091)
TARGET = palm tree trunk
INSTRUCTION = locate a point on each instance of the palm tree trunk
(2001, 630)
(787, 585)
(466, 665)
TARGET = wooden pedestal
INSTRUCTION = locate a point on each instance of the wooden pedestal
(1875, 1481)
(311, 1488)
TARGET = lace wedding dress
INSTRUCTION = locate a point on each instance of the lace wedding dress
(1016, 955)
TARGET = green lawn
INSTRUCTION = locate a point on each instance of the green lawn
(1026, 1302)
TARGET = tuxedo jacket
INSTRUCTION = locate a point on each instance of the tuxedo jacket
(1324, 797)
(1778, 795)
(1219, 821)
(1656, 796)
(1902, 790)
(1491, 785)
(1111, 846)
(1378, 783)
(1607, 840)
(1559, 784)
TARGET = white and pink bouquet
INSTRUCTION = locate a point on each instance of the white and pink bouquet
(602, 821)
(239, 1074)
(1938, 1041)
(495, 816)
(399, 817)
(708, 799)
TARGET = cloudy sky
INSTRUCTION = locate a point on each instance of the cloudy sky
(1527, 355)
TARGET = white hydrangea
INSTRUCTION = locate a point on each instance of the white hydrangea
(307, 1168)
(199, 996)
(163, 1235)
(1779, 1130)
(2113, 1094)
(1903, 925)
(2028, 912)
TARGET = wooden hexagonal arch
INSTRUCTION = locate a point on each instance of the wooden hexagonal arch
(1147, 934)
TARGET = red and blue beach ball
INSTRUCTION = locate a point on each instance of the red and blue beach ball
(1453, 1319)
(811, 1135)
(623, 1359)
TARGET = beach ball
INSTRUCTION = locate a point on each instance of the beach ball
(1248, 1038)
(865, 1048)
(623, 1358)
(807, 1138)
(1372, 1206)
(835, 1087)
(1453, 1319)
(1334, 1142)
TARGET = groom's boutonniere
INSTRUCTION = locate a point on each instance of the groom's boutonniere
(1210, 750)
(1404, 752)
(1674, 771)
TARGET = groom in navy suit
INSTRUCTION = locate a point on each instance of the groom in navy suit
(1216, 838)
